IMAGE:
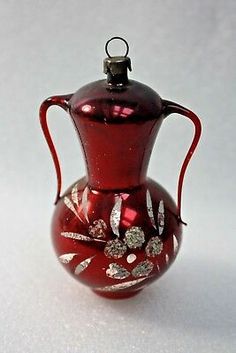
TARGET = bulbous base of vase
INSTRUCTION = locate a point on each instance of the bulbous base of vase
(117, 295)
(118, 241)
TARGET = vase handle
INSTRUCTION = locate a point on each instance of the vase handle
(169, 108)
(61, 101)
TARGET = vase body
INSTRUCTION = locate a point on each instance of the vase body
(116, 230)
(107, 240)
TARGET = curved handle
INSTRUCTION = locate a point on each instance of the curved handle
(171, 107)
(61, 101)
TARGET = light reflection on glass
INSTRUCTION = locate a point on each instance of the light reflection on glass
(122, 111)
(129, 216)
(86, 108)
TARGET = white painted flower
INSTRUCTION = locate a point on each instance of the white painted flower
(134, 237)
(97, 229)
(115, 248)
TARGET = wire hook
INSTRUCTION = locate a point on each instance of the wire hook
(114, 38)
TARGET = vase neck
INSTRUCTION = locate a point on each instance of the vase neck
(117, 155)
(117, 80)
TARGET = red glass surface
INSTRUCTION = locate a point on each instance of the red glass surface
(116, 230)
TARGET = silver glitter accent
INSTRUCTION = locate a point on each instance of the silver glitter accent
(71, 207)
(115, 249)
(66, 258)
(175, 243)
(74, 194)
(167, 259)
(154, 247)
(134, 237)
(131, 258)
(115, 216)
(120, 286)
(97, 229)
(83, 265)
(161, 217)
(76, 236)
(117, 272)
(85, 203)
(150, 209)
(143, 269)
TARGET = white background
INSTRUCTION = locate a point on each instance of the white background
(186, 51)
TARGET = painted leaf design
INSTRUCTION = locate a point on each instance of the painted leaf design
(161, 217)
(74, 194)
(78, 236)
(150, 209)
(115, 216)
(71, 207)
(143, 269)
(175, 243)
(117, 271)
(85, 203)
(154, 247)
(66, 258)
(120, 286)
(83, 265)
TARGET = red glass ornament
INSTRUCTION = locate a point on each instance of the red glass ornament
(116, 230)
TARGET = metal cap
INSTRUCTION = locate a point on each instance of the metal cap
(116, 65)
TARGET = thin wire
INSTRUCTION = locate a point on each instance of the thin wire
(114, 38)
